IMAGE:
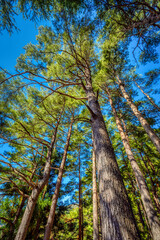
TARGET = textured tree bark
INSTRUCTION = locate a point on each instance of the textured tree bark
(149, 98)
(22, 231)
(134, 191)
(145, 217)
(80, 202)
(154, 191)
(19, 210)
(95, 199)
(51, 216)
(116, 214)
(154, 172)
(154, 138)
(145, 196)
(36, 231)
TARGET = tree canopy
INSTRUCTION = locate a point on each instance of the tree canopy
(80, 126)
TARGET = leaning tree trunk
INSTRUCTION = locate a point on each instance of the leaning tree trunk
(154, 172)
(116, 214)
(51, 216)
(95, 199)
(149, 98)
(22, 231)
(154, 138)
(134, 192)
(145, 196)
(154, 190)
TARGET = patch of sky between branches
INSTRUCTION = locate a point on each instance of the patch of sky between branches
(141, 69)
(11, 46)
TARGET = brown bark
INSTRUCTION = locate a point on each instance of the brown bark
(12, 224)
(80, 202)
(134, 191)
(145, 196)
(22, 231)
(51, 216)
(154, 172)
(95, 199)
(36, 231)
(149, 98)
(145, 217)
(115, 210)
(154, 191)
(154, 138)
(19, 210)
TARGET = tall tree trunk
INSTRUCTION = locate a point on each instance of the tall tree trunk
(154, 191)
(36, 231)
(154, 172)
(19, 210)
(146, 219)
(145, 196)
(154, 138)
(149, 98)
(95, 199)
(80, 200)
(22, 231)
(51, 216)
(134, 192)
(115, 210)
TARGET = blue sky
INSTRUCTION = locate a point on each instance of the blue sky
(12, 46)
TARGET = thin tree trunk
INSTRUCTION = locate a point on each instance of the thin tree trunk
(22, 231)
(116, 214)
(82, 219)
(149, 98)
(154, 191)
(19, 210)
(146, 219)
(153, 173)
(95, 199)
(145, 196)
(51, 216)
(134, 191)
(36, 231)
(151, 166)
(80, 200)
(154, 138)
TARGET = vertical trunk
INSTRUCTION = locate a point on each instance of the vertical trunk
(99, 215)
(154, 138)
(145, 196)
(115, 210)
(36, 231)
(154, 191)
(95, 199)
(154, 172)
(149, 98)
(145, 217)
(19, 210)
(51, 216)
(80, 200)
(82, 218)
(134, 192)
(22, 231)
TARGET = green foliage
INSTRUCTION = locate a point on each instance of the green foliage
(51, 78)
